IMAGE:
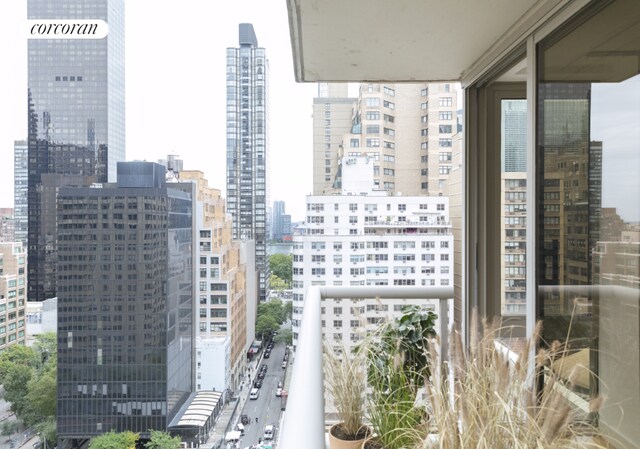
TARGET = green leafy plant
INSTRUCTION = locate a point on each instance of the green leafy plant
(398, 363)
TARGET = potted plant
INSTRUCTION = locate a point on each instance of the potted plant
(488, 400)
(397, 366)
(345, 380)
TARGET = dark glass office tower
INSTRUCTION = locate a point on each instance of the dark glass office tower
(248, 146)
(125, 309)
(76, 120)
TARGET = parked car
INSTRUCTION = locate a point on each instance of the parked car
(268, 432)
(244, 419)
(280, 384)
(254, 393)
(267, 354)
(263, 367)
(261, 374)
(257, 383)
(284, 364)
(278, 392)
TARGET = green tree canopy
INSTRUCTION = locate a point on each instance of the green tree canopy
(288, 310)
(46, 345)
(265, 325)
(281, 266)
(273, 308)
(114, 440)
(277, 284)
(29, 378)
(285, 336)
(15, 383)
(162, 440)
(41, 396)
(17, 355)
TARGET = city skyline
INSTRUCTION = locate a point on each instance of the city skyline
(194, 36)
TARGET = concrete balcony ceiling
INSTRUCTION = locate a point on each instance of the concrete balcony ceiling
(401, 40)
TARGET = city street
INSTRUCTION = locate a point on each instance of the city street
(267, 406)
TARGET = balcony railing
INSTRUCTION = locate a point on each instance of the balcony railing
(304, 419)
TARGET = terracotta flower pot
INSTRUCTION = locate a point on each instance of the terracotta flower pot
(372, 443)
(335, 442)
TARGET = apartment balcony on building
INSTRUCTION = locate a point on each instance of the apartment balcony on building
(541, 185)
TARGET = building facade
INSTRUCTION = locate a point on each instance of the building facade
(248, 146)
(407, 128)
(76, 119)
(513, 140)
(13, 294)
(221, 276)
(375, 239)
(281, 222)
(20, 183)
(125, 304)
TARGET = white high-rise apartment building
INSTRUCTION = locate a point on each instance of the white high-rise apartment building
(369, 238)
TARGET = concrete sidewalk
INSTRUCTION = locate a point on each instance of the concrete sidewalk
(230, 413)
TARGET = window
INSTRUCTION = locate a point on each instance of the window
(388, 104)
(424, 119)
(424, 92)
(444, 169)
(389, 118)
(424, 106)
(445, 115)
(390, 145)
(389, 91)
(373, 129)
(445, 142)
(445, 157)
(373, 142)
(337, 246)
(372, 102)
(337, 310)
(389, 132)
(389, 158)
(444, 129)
(354, 143)
(337, 271)
(445, 101)
(372, 115)
(317, 271)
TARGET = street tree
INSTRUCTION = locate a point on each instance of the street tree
(162, 440)
(115, 440)
(282, 266)
(265, 325)
(273, 308)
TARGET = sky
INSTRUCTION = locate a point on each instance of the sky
(175, 89)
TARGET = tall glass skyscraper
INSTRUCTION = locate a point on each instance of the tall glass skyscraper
(248, 146)
(76, 121)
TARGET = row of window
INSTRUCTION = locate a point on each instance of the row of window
(353, 207)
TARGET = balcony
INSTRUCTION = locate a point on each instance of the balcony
(555, 57)
(305, 416)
